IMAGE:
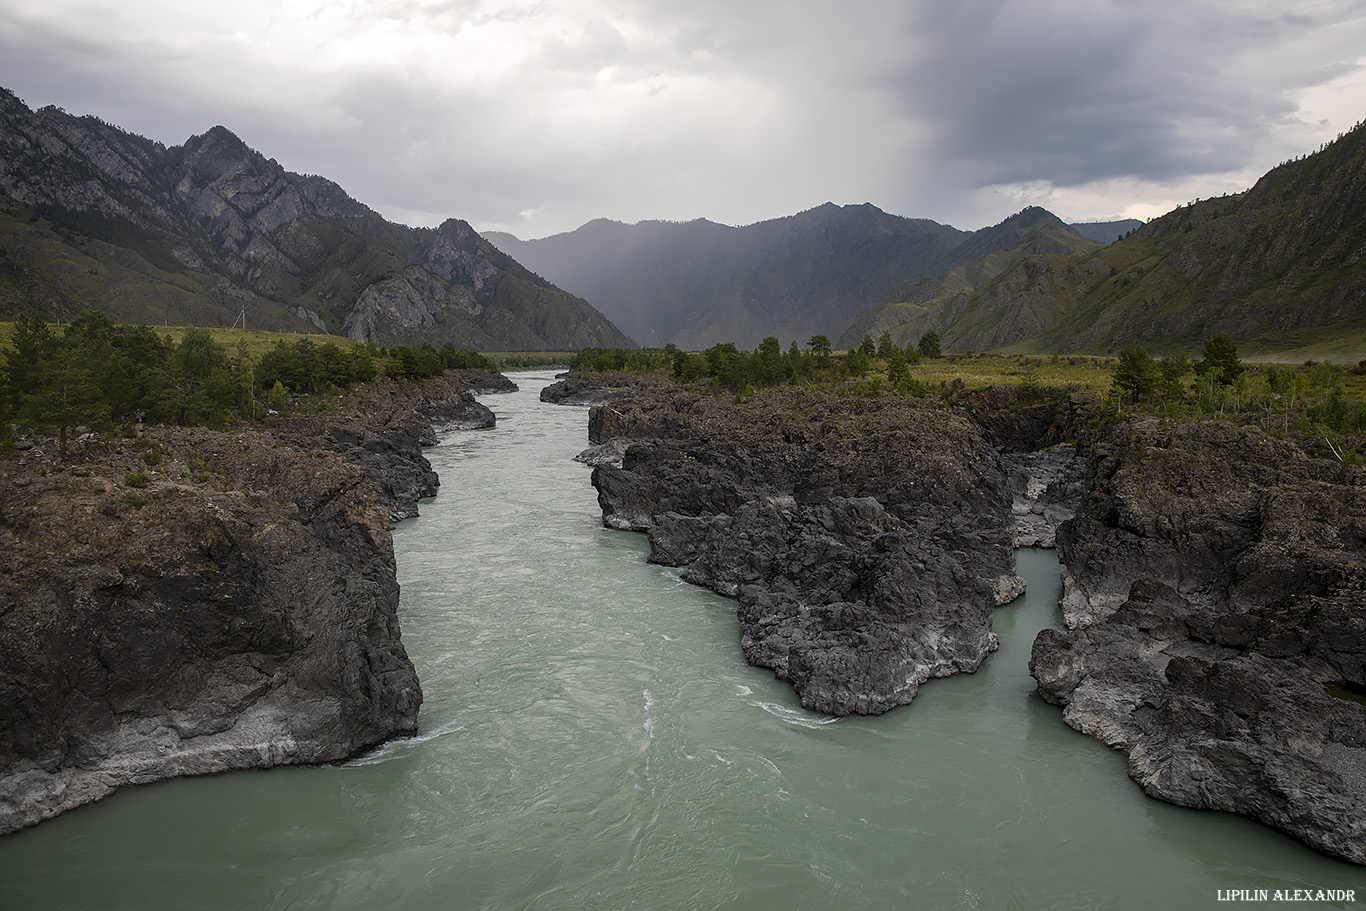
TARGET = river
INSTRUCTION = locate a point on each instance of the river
(592, 739)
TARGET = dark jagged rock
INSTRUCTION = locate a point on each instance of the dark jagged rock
(1214, 587)
(387, 424)
(485, 382)
(1046, 489)
(596, 388)
(866, 541)
(197, 601)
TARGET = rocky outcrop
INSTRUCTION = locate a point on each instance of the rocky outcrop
(194, 601)
(386, 424)
(595, 388)
(485, 382)
(1214, 584)
(1046, 488)
(866, 542)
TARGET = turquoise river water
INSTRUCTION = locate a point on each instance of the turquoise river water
(592, 739)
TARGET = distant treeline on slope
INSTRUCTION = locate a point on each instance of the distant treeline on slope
(97, 374)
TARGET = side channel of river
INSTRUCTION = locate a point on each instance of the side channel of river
(592, 738)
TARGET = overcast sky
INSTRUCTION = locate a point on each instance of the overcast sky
(534, 117)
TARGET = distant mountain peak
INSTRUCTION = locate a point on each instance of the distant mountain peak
(1034, 215)
(1278, 268)
(220, 139)
(212, 230)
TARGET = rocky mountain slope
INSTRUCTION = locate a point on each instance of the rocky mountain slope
(210, 231)
(1278, 268)
(699, 283)
(911, 308)
(194, 601)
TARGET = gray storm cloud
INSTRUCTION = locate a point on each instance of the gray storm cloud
(535, 117)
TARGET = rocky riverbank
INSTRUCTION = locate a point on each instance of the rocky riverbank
(589, 389)
(1215, 575)
(1215, 603)
(866, 541)
(194, 601)
(383, 427)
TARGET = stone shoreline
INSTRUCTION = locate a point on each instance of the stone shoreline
(196, 601)
(1215, 576)
(866, 541)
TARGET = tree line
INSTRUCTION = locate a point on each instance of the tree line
(726, 367)
(1306, 397)
(97, 374)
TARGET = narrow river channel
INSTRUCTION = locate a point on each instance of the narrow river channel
(592, 739)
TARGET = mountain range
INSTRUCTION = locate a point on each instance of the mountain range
(210, 232)
(698, 283)
(1280, 268)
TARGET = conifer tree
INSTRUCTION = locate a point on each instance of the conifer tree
(66, 395)
(885, 345)
(1221, 360)
(1135, 372)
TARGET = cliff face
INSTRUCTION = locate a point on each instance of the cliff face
(1214, 587)
(196, 601)
(205, 232)
(866, 542)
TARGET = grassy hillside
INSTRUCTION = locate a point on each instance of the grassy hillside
(1281, 268)
(48, 272)
(941, 303)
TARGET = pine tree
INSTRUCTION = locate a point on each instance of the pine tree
(67, 394)
(1221, 360)
(1135, 372)
(1174, 367)
(896, 367)
(31, 343)
(885, 345)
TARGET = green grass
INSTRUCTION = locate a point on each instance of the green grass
(1084, 373)
(979, 371)
(257, 341)
(1298, 346)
